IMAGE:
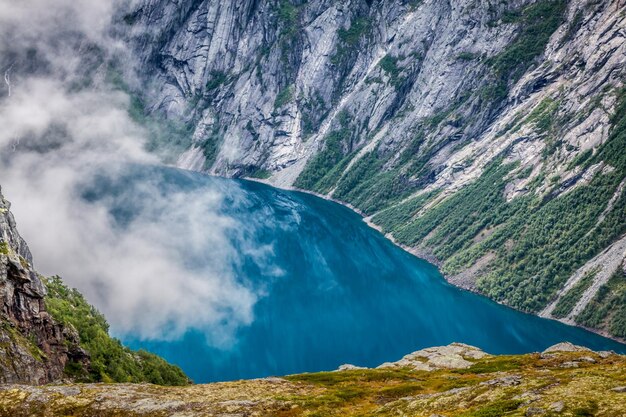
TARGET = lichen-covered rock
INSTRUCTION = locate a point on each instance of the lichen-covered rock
(453, 356)
(557, 406)
(535, 411)
(505, 381)
(33, 347)
(349, 367)
(566, 347)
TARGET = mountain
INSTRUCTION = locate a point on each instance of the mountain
(49, 333)
(456, 380)
(486, 136)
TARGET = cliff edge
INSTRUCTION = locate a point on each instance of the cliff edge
(34, 349)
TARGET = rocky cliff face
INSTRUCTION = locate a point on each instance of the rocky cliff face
(34, 348)
(266, 82)
(488, 135)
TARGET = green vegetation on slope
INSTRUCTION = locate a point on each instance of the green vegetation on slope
(529, 246)
(289, 26)
(363, 170)
(215, 80)
(11, 335)
(538, 241)
(453, 223)
(370, 188)
(389, 64)
(569, 300)
(288, 16)
(110, 360)
(350, 38)
(608, 307)
(395, 217)
(322, 164)
(537, 23)
(283, 97)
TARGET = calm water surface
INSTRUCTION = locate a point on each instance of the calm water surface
(345, 294)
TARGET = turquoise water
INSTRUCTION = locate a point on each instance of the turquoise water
(345, 294)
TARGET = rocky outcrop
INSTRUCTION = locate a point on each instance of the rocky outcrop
(566, 347)
(454, 356)
(34, 348)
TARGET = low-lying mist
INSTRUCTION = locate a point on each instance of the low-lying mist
(62, 125)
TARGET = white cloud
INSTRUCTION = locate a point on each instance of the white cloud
(54, 139)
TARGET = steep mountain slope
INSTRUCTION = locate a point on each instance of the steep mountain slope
(49, 333)
(488, 136)
(455, 380)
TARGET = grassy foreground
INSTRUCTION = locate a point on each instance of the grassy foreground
(577, 383)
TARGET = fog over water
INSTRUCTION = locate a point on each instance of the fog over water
(62, 124)
(330, 289)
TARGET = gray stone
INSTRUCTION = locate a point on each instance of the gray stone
(534, 411)
(505, 381)
(349, 367)
(558, 406)
(566, 347)
(453, 356)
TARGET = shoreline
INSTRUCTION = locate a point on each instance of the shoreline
(418, 253)
(424, 255)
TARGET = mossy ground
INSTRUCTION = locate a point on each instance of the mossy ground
(556, 384)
